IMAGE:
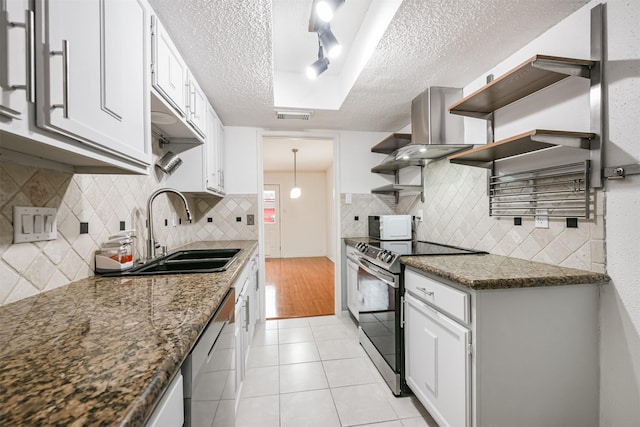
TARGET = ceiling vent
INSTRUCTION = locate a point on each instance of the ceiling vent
(293, 115)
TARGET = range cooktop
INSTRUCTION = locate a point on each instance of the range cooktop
(385, 253)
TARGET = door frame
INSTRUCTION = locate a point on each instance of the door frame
(336, 241)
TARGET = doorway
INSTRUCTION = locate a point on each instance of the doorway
(299, 233)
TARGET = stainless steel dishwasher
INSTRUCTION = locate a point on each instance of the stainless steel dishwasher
(209, 371)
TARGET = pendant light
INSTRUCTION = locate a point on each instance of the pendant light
(295, 191)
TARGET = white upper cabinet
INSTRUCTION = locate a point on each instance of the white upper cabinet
(16, 58)
(197, 106)
(201, 171)
(169, 69)
(91, 74)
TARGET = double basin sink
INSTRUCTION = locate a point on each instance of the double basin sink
(185, 261)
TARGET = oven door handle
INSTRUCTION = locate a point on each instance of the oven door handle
(379, 274)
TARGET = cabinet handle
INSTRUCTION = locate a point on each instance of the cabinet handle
(29, 27)
(65, 78)
(429, 293)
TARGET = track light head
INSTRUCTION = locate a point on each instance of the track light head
(318, 67)
(325, 9)
(329, 41)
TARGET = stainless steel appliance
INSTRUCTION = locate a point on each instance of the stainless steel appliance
(381, 301)
(209, 371)
(390, 227)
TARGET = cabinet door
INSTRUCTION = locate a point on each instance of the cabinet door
(239, 338)
(169, 69)
(197, 107)
(437, 363)
(352, 288)
(220, 153)
(212, 178)
(16, 68)
(92, 72)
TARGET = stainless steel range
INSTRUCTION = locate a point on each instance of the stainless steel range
(381, 301)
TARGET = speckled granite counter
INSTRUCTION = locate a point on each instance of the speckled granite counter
(101, 351)
(486, 271)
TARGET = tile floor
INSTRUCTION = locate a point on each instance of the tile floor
(312, 372)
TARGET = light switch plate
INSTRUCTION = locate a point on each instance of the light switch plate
(32, 224)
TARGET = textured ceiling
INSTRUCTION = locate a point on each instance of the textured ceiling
(227, 45)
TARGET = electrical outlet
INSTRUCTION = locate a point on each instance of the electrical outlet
(250, 220)
(542, 218)
(420, 215)
(174, 220)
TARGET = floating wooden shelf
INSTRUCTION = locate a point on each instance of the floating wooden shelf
(390, 167)
(529, 77)
(527, 142)
(394, 188)
(392, 143)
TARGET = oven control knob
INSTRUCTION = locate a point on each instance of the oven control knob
(388, 257)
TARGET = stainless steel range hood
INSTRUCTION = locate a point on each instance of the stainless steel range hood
(435, 132)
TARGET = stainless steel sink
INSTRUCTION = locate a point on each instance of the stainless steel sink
(186, 261)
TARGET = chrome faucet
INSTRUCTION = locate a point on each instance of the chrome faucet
(152, 245)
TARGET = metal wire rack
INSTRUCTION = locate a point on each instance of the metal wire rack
(559, 191)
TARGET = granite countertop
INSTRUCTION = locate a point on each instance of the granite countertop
(487, 271)
(103, 350)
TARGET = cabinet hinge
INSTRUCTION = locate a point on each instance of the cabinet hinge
(402, 311)
(470, 349)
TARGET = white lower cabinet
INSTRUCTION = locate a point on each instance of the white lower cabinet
(170, 410)
(353, 296)
(502, 357)
(437, 363)
(245, 317)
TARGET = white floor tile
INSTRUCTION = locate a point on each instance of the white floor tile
(260, 356)
(407, 407)
(325, 320)
(419, 422)
(308, 408)
(259, 411)
(362, 404)
(298, 353)
(261, 382)
(345, 372)
(288, 336)
(340, 349)
(333, 332)
(271, 324)
(396, 423)
(302, 377)
(298, 322)
(265, 337)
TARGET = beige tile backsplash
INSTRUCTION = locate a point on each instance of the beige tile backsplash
(102, 201)
(456, 213)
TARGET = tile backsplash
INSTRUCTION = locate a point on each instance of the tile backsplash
(456, 212)
(103, 201)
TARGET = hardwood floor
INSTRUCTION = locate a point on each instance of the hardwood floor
(298, 287)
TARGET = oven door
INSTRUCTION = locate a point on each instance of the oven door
(379, 320)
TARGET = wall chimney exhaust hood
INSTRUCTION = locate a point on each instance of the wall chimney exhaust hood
(435, 132)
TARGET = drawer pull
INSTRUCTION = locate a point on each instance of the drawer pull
(426, 292)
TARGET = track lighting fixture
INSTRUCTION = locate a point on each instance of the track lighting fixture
(320, 66)
(325, 9)
(321, 13)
